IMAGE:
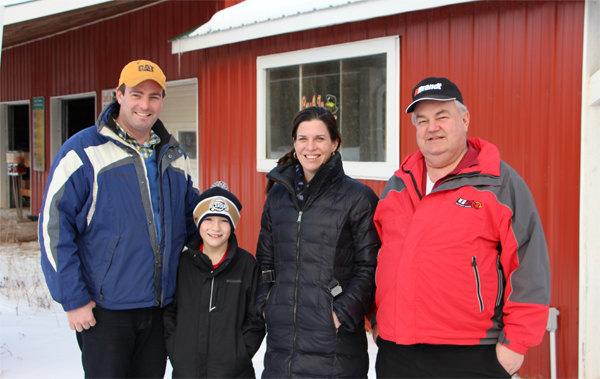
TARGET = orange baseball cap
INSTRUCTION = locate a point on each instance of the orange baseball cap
(137, 71)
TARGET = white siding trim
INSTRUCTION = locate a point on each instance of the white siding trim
(589, 204)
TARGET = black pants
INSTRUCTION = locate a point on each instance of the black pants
(124, 344)
(437, 361)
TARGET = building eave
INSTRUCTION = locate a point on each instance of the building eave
(292, 20)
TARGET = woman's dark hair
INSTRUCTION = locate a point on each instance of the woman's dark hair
(309, 114)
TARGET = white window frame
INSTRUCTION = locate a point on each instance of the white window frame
(185, 82)
(358, 170)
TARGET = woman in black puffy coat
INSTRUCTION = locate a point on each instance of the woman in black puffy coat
(317, 251)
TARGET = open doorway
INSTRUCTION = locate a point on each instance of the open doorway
(77, 114)
(18, 139)
(69, 115)
(14, 135)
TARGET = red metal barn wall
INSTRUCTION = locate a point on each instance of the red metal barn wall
(91, 58)
(518, 65)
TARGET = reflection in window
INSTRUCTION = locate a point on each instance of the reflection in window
(353, 89)
(187, 141)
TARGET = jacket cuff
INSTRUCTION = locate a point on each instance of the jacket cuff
(517, 348)
(71, 305)
(512, 345)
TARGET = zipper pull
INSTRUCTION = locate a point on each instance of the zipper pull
(212, 287)
(299, 217)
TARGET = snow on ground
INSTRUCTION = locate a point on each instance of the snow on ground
(35, 339)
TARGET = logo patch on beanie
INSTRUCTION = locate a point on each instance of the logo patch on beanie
(428, 87)
(218, 205)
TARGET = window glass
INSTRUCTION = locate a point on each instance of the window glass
(357, 81)
(353, 89)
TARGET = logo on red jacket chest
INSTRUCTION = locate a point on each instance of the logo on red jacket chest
(468, 203)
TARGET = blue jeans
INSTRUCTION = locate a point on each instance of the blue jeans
(124, 344)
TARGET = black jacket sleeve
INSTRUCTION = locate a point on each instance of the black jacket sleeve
(354, 302)
(170, 319)
(254, 326)
(265, 256)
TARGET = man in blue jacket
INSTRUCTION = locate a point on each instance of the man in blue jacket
(116, 214)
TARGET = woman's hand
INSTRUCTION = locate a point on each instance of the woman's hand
(375, 333)
(336, 321)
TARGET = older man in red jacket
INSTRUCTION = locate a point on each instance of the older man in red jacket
(463, 278)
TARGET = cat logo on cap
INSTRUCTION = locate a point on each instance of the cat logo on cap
(218, 205)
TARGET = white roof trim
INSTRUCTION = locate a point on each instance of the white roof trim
(253, 19)
(30, 10)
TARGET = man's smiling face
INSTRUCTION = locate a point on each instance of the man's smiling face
(140, 108)
(441, 132)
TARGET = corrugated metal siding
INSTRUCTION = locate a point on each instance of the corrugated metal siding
(517, 63)
(519, 67)
(91, 59)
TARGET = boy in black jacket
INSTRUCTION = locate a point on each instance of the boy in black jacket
(211, 329)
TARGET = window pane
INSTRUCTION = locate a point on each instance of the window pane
(354, 90)
(283, 88)
(363, 108)
(187, 141)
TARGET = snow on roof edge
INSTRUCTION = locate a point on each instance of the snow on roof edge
(256, 11)
(225, 27)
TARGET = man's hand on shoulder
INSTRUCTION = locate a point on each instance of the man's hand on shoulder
(510, 360)
(82, 318)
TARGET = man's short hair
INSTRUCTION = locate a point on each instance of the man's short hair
(122, 90)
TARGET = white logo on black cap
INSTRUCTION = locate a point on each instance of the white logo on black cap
(428, 87)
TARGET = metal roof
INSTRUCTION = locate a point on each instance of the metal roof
(253, 19)
(24, 10)
(28, 20)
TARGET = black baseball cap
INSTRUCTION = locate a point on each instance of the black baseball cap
(438, 89)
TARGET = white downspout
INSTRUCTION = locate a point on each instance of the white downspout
(552, 326)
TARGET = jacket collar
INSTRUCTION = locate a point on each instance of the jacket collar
(111, 111)
(203, 261)
(488, 161)
(487, 166)
(326, 174)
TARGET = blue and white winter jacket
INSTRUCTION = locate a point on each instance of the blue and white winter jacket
(96, 227)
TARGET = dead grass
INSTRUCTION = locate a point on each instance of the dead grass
(21, 276)
(23, 285)
(13, 230)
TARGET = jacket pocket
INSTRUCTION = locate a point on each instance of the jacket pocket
(500, 282)
(106, 263)
(477, 282)
(337, 330)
